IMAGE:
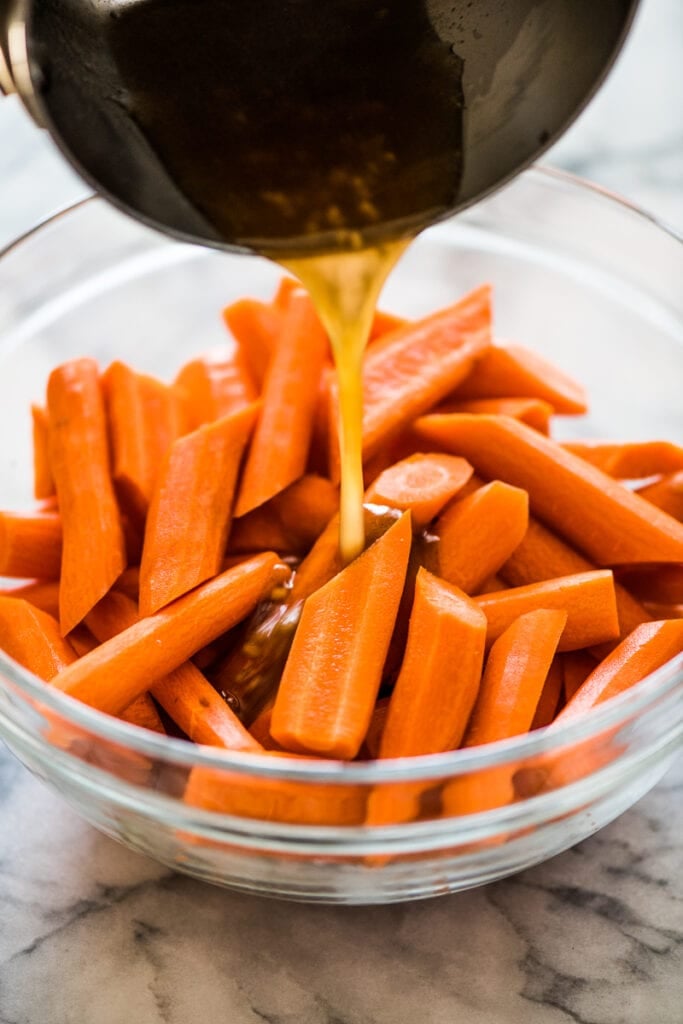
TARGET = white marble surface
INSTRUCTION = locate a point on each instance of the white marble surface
(93, 934)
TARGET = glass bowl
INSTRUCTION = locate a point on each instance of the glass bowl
(588, 280)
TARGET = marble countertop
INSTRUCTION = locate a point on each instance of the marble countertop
(93, 934)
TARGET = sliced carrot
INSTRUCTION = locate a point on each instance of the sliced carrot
(373, 737)
(383, 323)
(606, 521)
(94, 551)
(588, 598)
(551, 695)
(647, 648)
(513, 371)
(533, 411)
(82, 640)
(32, 637)
(43, 594)
(439, 678)
(334, 669)
(491, 585)
(43, 481)
(666, 494)
(128, 582)
(214, 385)
(576, 667)
(422, 483)
(629, 460)
(112, 676)
(658, 610)
(256, 328)
(653, 582)
(143, 713)
(291, 521)
(145, 417)
(284, 291)
(260, 729)
(478, 533)
(30, 545)
(279, 449)
(189, 518)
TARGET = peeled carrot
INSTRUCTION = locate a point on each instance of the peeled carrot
(588, 598)
(260, 729)
(42, 594)
(576, 667)
(659, 610)
(94, 551)
(478, 533)
(439, 678)
(291, 521)
(383, 323)
(43, 481)
(513, 371)
(334, 669)
(646, 649)
(373, 736)
(214, 385)
(606, 521)
(286, 287)
(666, 494)
(551, 696)
(112, 676)
(279, 449)
(30, 545)
(32, 637)
(256, 327)
(128, 582)
(143, 713)
(533, 411)
(653, 582)
(629, 460)
(422, 483)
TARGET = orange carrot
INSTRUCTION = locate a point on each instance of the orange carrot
(513, 371)
(629, 460)
(291, 521)
(30, 545)
(143, 713)
(189, 518)
(334, 669)
(606, 521)
(422, 483)
(279, 449)
(383, 323)
(533, 411)
(666, 494)
(646, 649)
(82, 640)
(659, 610)
(256, 329)
(653, 582)
(32, 638)
(43, 481)
(588, 598)
(551, 695)
(128, 582)
(112, 676)
(43, 594)
(433, 699)
(93, 543)
(214, 385)
(260, 729)
(285, 289)
(576, 667)
(478, 533)
(373, 737)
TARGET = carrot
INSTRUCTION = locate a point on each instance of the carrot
(513, 371)
(93, 543)
(279, 449)
(260, 729)
(43, 481)
(189, 518)
(185, 694)
(576, 667)
(629, 460)
(145, 417)
(606, 521)
(214, 385)
(256, 328)
(647, 648)
(291, 521)
(334, 669)
(551, 695)
(143, 713)
(30, 545)
(422, 483)
(373, 737)
(128, 582)
(653, 582)
(112, 676)
(666, 494)
(478, 533)
(439, 678)
(659, 610)
(42, 594)
(533, 411)
(383, 323)
(32, 638)
(588, 598)
(412, 368)
(82, 640)
(285, 289)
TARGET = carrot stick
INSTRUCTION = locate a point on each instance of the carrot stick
(256, 329)
(373, 737)
(653, 582)
(215, 385)
(431, 703)
(513, 371)
(185, 694)
(533, 411)
(478, 533)
(576, 667)
(32, 638)
(334, 669)
(143, 713)
(292, 520)
(284, 291)
(588, 598)
(113, 675)
(551, 694)
(260, 729)
(659, 610)
(42, 594)
(606, 521)
(279, 449)
(82, 640)
(43, 481)
(666, 494)
(647, 648)
(189, 518)
(145, 417)
(30, 545)
(422, 483)
(383, 323)
(128, 582)
(629, 460)
(93, 543)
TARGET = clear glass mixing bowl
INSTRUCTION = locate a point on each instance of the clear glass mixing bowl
(588, 280)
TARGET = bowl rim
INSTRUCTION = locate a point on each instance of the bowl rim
(614, 712)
